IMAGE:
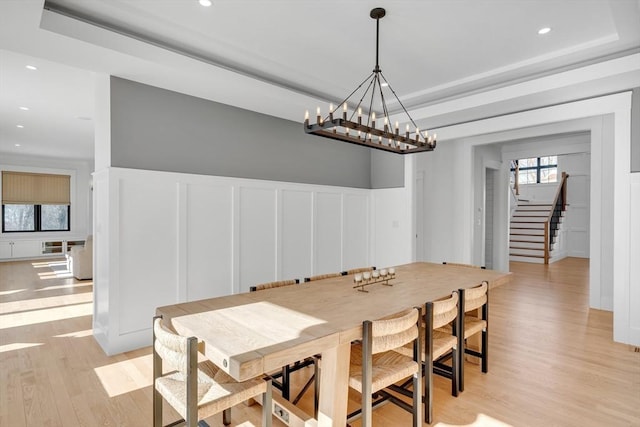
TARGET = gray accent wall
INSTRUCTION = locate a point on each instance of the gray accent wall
(157, 129)
(387, 169)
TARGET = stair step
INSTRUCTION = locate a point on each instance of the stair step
(527, 252)
(533, 260)
(526, 238)
(536, 203)
(543, 213)
(526, 232)
(526, 245)
(518, 218)
(528, 225)
(534, 208)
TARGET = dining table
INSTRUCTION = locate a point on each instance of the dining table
(255, 333)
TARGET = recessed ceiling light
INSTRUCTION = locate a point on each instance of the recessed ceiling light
(544, 30)
(19, 126)
(17, 145)
(205, 3)
(24, 108)
(31, 67)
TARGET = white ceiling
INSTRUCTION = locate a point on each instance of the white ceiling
(282, 57)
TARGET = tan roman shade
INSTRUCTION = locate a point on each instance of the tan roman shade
(35, 188)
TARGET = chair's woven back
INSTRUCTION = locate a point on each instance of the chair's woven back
(389, 334)
(444, 311)
(458, 264)
(270, 285)
(322, 276)
(360, 270)
(475, 298)
(172, 348)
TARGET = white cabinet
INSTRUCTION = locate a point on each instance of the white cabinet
(20, 249)
(6, 249)
(24, 249)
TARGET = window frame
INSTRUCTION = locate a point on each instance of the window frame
(538, 168)
(37, 221)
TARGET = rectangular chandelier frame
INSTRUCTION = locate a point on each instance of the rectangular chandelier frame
(380, 139)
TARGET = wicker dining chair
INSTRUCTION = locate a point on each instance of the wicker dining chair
(374, 364)
(322, 276)
(270, 285)
(197, 390)
(472, 300)
(358, 270)
(465, 265)
(440, 346)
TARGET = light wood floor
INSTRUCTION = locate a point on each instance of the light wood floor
(552, 359)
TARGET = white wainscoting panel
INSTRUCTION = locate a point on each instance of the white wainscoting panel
(296, 234)
(101, 265)
(148, 249)
(392, 228)
(209, 239)
(356, 231)
(634, 256)
(163, 238)
(257, 236)
(328, 233)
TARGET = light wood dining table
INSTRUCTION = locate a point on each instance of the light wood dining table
(251, 334)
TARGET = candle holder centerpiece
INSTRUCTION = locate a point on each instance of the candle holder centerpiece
(383, 276)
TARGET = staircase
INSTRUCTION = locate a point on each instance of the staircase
(527, 237)
(535, 227)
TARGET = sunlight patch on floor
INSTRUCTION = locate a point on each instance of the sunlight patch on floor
(44, 264)
(18, 346)
(42, 303)
(126, 376)
(55, 275)
(67, 286)
(77, 334)
(46, 315)
(481, 420)
(59, 269)
(14, 291)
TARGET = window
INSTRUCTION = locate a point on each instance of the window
(35, 202)
(536, 170)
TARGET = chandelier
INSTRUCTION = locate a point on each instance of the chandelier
(363, 131)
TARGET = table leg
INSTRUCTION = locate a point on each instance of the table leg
(334, 386)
